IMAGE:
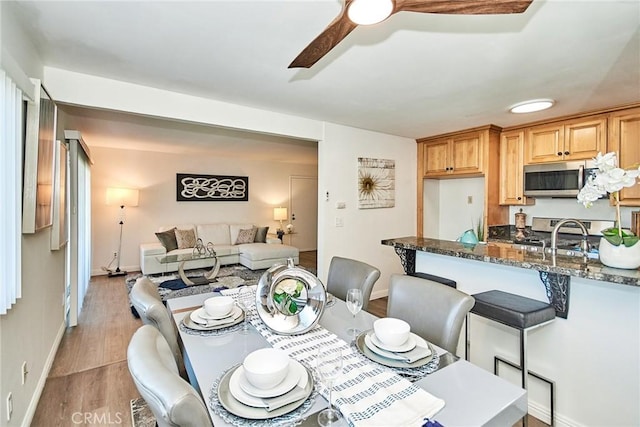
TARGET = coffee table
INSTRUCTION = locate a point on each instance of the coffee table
(196, 256)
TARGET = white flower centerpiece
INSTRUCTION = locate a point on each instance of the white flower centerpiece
(285, 294)
(618, 247)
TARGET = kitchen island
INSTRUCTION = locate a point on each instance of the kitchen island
(593, 354)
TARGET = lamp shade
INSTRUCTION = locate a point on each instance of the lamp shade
(279, 214)
(122, 196)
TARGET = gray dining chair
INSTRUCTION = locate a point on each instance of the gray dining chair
(435, 311)
(173, 401)
(147, 302)
(346, 273)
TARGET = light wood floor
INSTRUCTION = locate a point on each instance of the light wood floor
(89, 382)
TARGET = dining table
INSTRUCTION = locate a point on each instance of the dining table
(472, 396)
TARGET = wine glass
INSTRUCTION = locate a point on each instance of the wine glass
(329, 365)
(245, 301)
(354, 305)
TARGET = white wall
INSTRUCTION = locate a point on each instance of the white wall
(154, 174)
(33, 327)
(593, 355)
(363, 229)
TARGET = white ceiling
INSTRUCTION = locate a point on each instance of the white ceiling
(413, 75)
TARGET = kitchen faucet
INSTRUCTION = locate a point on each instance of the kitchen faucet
(584, 246)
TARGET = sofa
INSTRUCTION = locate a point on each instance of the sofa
(243, 244)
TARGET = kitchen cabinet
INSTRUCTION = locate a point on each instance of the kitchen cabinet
(578, 139)
(511, 169)
(457, 155)
(624, 139)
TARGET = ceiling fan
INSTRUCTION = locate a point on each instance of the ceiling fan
(347, 20)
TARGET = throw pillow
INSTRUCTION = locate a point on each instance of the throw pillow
(246, 235)
(168, 239)
(185, 238)
(261, 235)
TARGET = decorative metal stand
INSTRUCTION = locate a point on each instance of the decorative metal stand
(557, 286)
(407, 258)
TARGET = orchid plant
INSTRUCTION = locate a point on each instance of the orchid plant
(610, 179)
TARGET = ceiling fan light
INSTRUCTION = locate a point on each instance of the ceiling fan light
(368, 12)
(531, 106)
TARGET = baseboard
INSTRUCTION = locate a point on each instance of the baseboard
(543, 413)
(33, 404)
(128, 269)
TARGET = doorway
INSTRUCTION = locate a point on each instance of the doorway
(303, 197)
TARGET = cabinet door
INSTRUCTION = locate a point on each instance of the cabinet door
(544, 144)
(584, 139)
(624, 139)
(436, 158)
(466, 154)
(511, 169)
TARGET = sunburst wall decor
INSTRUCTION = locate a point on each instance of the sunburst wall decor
(376, 183)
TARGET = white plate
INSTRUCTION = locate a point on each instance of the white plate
(421, 348)
(198, 318)
(236, 407)
(202, 313)
(407, 346)
(362, 348)
(213, 324)
(242, 396)
(289, 382)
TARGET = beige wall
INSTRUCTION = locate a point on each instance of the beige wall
(155, 175)
(32, 328)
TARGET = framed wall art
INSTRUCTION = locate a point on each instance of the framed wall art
(211, 188)
(376, 183)
(37, 192)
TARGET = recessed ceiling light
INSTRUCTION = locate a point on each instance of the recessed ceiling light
(368, 12)
(531, 106)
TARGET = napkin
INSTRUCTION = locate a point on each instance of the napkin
(273, 403)
(417, 353)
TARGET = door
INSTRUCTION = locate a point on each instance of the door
(304, 212)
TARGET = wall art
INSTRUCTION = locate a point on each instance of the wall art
(39, 150)
(376, 183)
(211, 188)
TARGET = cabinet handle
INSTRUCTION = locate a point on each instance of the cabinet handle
(519, 198)
(566, 153)
(559, 153)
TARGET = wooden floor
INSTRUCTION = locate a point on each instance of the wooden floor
(89, 383)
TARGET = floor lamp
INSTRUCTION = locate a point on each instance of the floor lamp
(121, 197)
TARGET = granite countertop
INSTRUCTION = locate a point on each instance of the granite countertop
(497, 253)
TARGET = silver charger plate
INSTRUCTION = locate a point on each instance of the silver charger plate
(239, 409)
(312, 300)
(362, 348)
(186, 320)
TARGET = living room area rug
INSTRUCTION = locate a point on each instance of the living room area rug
(229, 276)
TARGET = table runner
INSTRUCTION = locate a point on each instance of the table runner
(365, 393)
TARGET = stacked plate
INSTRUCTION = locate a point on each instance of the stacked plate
(414, 352)
(238, 396)
(202, 321)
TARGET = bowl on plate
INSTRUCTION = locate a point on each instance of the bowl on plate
(266, 368)
(391, 331)
(218, 306)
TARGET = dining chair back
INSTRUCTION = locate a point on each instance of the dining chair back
(435, 311)
(146, 300)
(346, 273)
(173, 401)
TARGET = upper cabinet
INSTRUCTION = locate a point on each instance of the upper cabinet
(511, 168)
(624, 139)
(455, 155)
(578, 139)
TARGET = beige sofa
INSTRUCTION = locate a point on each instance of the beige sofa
(223, 237)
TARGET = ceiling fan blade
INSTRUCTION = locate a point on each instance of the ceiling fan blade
(463, 7)
(327, 40)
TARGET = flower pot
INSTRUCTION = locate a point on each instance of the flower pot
(619, 256)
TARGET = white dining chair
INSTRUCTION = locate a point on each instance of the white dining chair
(346, 273)
(147, 302)
(173, 401)
(434, 311)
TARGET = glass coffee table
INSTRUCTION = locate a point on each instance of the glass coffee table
(184, 259)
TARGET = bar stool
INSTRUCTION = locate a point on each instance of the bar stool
(518, 312)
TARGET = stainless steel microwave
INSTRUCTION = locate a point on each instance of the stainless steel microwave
(556, 179)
